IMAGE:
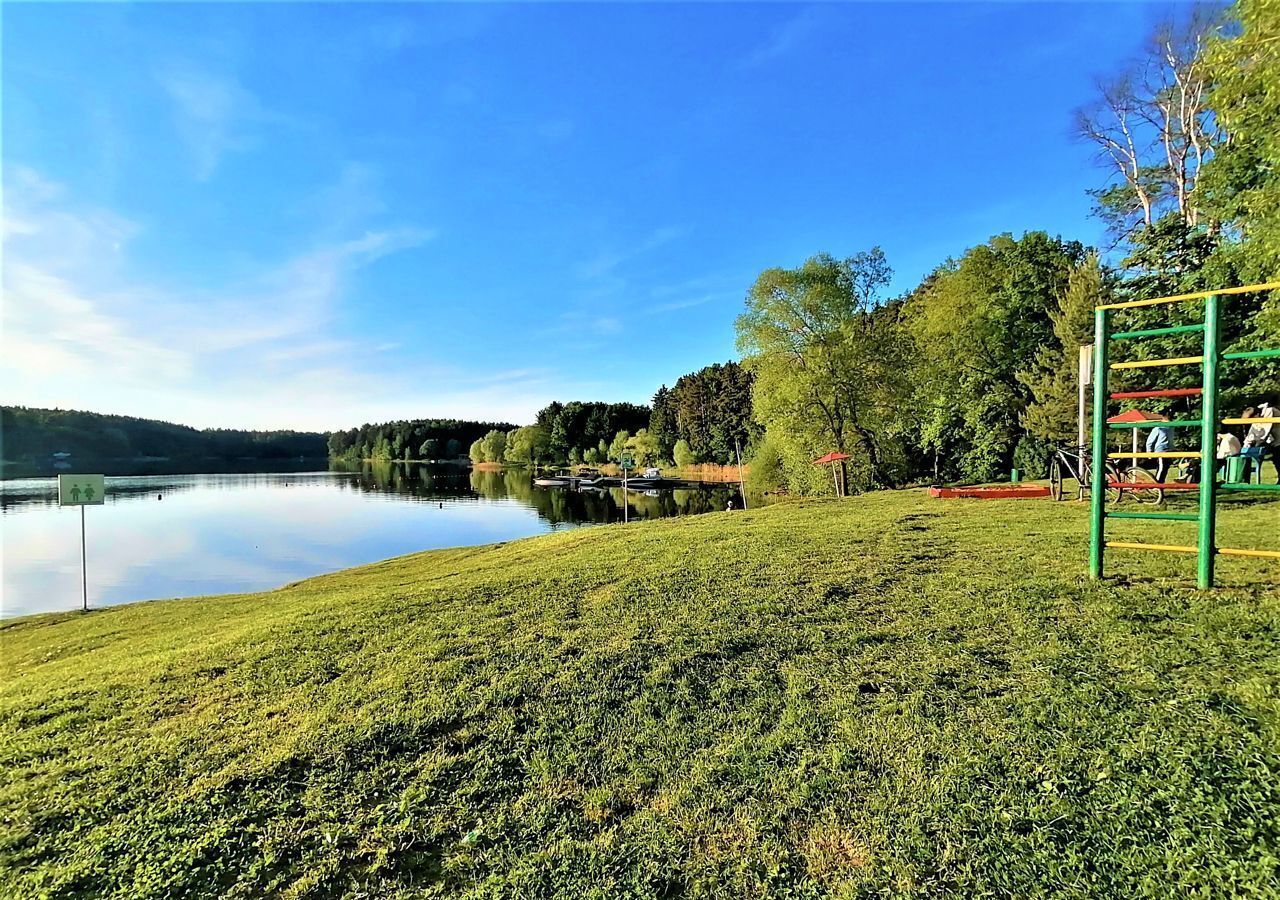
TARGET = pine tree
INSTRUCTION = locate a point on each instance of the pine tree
(1053, 378)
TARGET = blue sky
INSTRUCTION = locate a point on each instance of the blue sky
(277, 215)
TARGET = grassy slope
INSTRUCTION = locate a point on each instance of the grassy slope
(883, 695)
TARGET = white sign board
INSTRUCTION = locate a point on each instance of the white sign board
(81, 490)
(1086, 364)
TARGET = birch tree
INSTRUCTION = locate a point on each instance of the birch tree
(1154, 129)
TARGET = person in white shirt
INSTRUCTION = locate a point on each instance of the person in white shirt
(1228, 445)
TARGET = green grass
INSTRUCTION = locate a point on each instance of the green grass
(883, 696)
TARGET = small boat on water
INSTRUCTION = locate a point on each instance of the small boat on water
(551, 482)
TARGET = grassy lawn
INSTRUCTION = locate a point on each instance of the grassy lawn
(882, 696)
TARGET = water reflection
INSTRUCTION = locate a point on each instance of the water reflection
(184, 535)
(555, 505)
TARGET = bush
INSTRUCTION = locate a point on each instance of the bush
(1031, 456)
(766, 473)
(683, 454)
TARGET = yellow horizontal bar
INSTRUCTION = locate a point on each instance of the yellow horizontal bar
(1163, 454)
(1155, 301)
(1265, 554)
(1256, 420)
(1167, 548)
(1152, 363)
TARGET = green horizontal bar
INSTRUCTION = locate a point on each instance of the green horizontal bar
(1252, 354)
(1176, 423)
(1231, 486)
(1173, 517)
(1156, 332)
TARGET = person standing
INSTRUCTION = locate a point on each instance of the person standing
(1160, 440)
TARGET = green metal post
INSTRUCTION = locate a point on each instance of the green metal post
(1208, 447)
(1098, 495)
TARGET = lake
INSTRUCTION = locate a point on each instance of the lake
(186, 535)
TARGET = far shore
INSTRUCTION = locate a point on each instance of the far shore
(711, 472)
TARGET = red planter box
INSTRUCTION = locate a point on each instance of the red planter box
(1010, 492)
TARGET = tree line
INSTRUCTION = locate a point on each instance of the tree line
(574, 432)
(701, 419)
(410, 439)
(32, 435)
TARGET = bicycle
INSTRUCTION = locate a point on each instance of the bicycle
(1074, 462)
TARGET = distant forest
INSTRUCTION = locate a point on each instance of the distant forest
(32, 436)
(702, 419)
(415, 439)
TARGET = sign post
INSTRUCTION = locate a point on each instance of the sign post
(628, 462)
(742, 485)
(1082, 410)
(82, 491)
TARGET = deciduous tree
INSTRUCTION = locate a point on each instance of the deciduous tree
(823, 362)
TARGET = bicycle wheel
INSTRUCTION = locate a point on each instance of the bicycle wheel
(1114, 494)
(1055, 478)
(1140, 478)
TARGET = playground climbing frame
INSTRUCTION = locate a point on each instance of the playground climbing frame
(1210, 359)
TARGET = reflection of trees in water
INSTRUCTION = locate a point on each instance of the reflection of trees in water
(419, 482)
(119, 488)
(556, 505)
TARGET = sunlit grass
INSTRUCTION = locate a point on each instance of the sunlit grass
(887, 695)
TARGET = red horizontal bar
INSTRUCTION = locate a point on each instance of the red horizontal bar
(1172, 392)
(1151, 485)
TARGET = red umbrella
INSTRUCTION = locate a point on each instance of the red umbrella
(833, 458)
(830, 458)
(1136, 417)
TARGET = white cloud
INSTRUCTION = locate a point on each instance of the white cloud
(79, 330)
(604, 262)
(690, 302)
(212, 114)
(51, 330)
(715, 288)
(583, 323)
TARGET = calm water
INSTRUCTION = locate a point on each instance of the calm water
(184, 535)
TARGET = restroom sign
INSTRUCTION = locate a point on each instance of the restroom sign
(81, 490)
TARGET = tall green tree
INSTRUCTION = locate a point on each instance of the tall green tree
(977, 325)
(1242, 181)
(527, 445)
(709, 409)
(584, 424)
(1054, 374)
(494, 445)
(824, 363)
(619, 445)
